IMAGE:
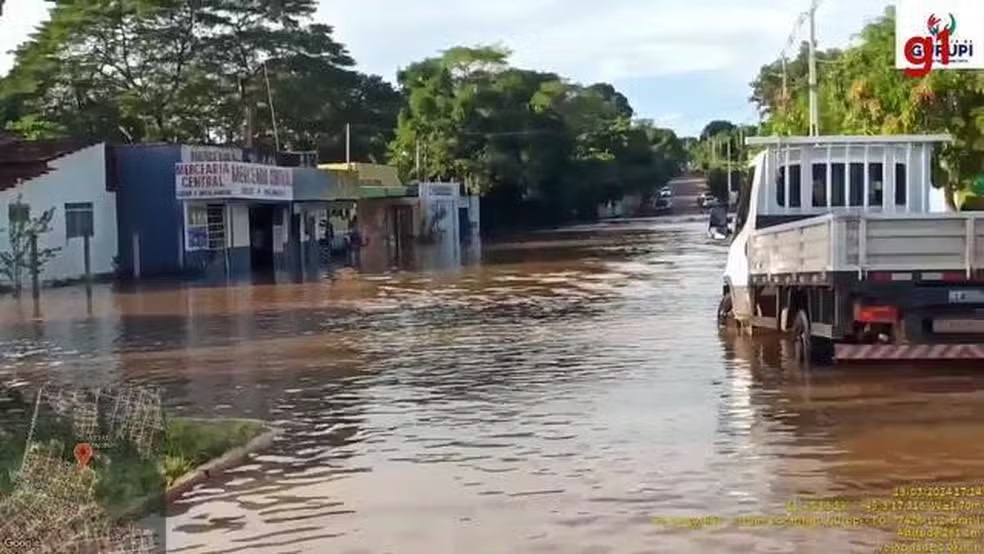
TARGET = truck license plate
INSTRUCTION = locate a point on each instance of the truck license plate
(966, 296)
(958, 325)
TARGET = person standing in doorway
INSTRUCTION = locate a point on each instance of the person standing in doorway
(355, 241)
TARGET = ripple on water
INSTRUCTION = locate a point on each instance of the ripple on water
(553, 399)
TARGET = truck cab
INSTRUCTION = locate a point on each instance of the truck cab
(829, 228)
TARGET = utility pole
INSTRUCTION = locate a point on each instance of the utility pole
(741, 148)
(273, 112)
(728, 165)
(814, 109)
(348, 143)
(416, 167)
(248, 109)
(785, 82)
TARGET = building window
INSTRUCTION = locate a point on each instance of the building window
(216, 226)
(856, 194)
(819, 185)
(18, 212)
(78, 219)
(876, 183)
(838, 184)
(205, 227)
(900, 185)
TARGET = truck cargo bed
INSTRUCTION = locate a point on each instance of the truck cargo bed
(870, 242)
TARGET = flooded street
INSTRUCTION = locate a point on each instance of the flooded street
(554, 398)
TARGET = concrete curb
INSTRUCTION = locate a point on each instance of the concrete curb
(216, 466)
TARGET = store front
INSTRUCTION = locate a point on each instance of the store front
(236, 217)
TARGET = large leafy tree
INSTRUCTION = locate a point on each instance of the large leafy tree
(529, 140)
(195, 70)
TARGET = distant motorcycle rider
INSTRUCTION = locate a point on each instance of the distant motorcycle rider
(718, 220)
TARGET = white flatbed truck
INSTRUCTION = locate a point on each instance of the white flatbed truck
(843, 242)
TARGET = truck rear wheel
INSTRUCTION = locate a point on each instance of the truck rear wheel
(807, 349)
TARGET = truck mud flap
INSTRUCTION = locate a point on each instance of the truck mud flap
(909, 351)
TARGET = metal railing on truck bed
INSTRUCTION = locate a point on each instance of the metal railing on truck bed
(870, 242)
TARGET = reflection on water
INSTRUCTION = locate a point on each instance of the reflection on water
(553, 398)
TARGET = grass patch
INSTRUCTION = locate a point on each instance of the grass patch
(126, 478)
(189, 443)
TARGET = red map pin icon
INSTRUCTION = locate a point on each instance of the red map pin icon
(83, 453)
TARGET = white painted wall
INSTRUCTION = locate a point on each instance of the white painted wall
(441, 197)
(77, 177)
(239, 228)
(475, 214)
(280, 232)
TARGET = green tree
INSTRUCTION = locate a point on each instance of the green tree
(540, 148)
(191, 71)
(24, 257)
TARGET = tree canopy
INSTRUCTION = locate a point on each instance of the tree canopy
(187, 70)
(527, 138)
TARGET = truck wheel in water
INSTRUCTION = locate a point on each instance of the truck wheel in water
(724, 309)
(807, 349)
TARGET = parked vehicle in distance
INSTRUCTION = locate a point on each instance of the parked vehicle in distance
(843, 242)
(663, 200)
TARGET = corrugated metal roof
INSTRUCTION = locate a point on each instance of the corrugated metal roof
(27, 159)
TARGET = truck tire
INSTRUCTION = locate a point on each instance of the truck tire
(724, 309)
(807, 349)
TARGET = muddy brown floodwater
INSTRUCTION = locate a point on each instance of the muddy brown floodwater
(554, 398)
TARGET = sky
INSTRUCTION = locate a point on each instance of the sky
(681, 63)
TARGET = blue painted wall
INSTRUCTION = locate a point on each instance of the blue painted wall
(145, 203)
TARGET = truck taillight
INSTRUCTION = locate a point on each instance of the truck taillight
(876, 314)
(889, 276)
(926, 276)
(944, 276)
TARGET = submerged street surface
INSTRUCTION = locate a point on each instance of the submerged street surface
(554, 398)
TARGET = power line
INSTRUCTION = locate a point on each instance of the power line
(807, 16)
(783, 53)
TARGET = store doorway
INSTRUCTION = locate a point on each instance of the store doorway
(261, 220)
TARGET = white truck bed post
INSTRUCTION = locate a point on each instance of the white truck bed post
(866, 178)
(910, 195)
(828, 177)
(785, 182)
(847, 176)
(886, 188)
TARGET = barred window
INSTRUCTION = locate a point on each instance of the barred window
(78, 219)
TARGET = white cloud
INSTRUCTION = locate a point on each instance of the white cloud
(668, 118)
(19, 19)
(589, 41)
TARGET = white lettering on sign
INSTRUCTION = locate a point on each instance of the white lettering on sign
(438, 189)
(210, 154)
(233, 180)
